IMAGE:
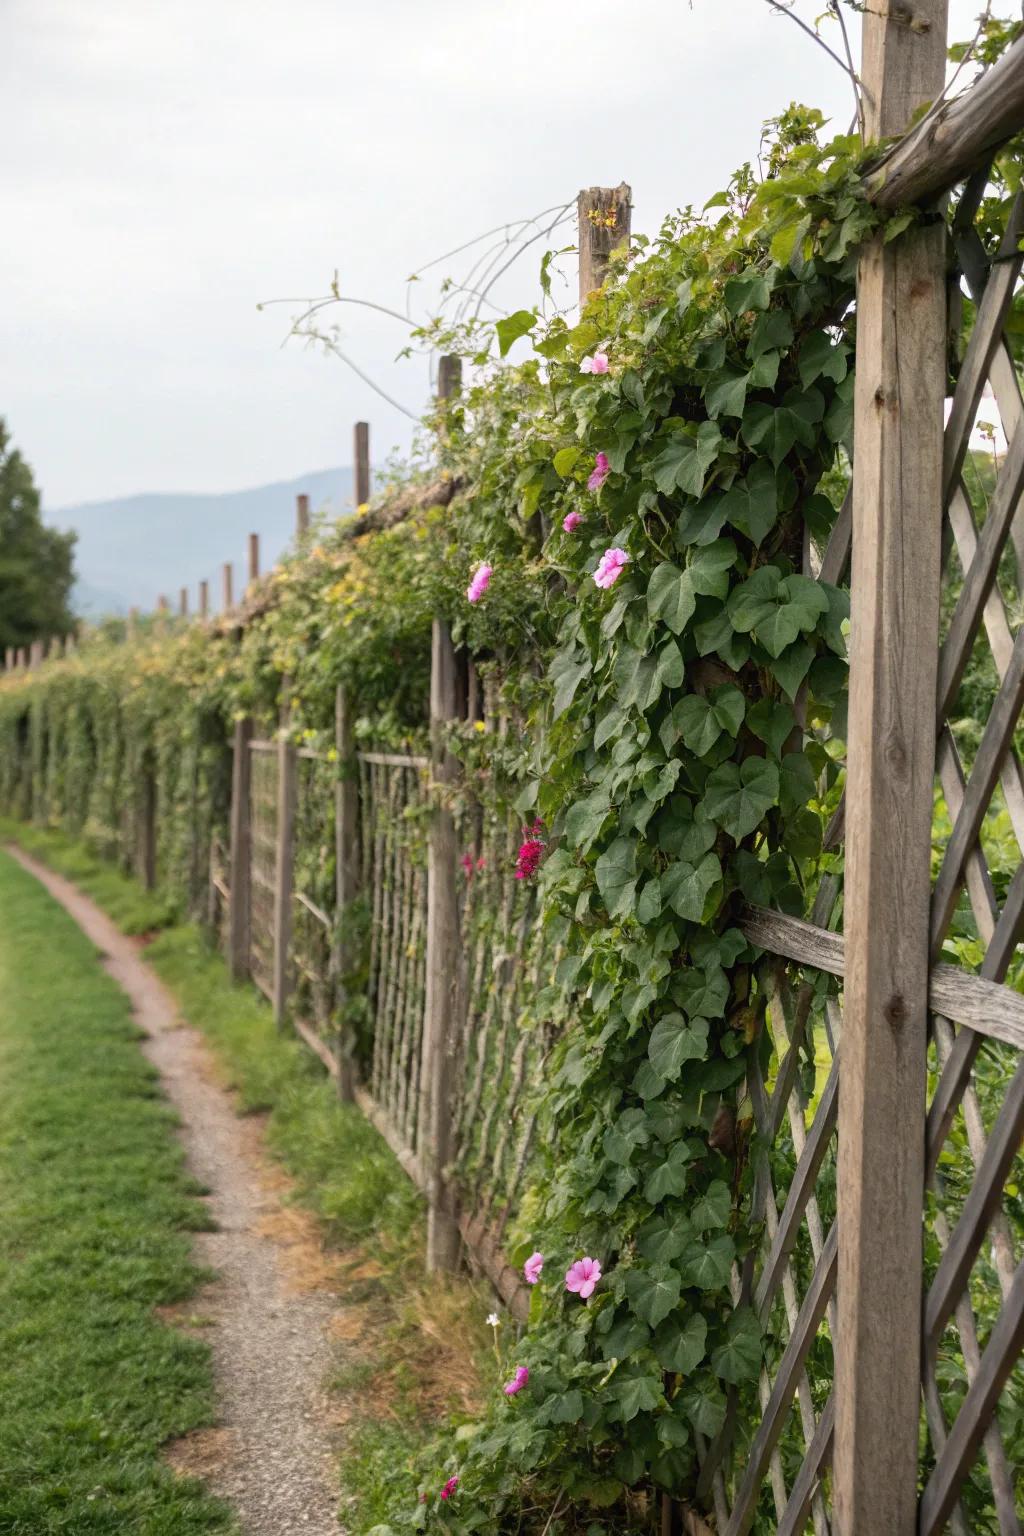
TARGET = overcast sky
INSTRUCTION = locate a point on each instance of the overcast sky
(166, 166)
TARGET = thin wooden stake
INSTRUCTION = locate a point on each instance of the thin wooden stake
(227, 587)
(241, 852)
(361, 462)
(283, 879)
(604, 215)
(442, 973)
(147, 829)
(897, 517)
(183, 603)
(204, 599)
(254, 558)
(346, 873)
(301, 515)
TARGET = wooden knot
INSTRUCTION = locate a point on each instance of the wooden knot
(895, 1012)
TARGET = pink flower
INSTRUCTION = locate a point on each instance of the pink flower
(467, 863)
(582, 1277)
(602, 469)
(517, 1383)
(533, 1267)
(571, 521)
(481, 581)
(531, 851)
(481, 862)
(596, 364)
(610, 567)
(449, 1487)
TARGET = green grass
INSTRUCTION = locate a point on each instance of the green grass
(95, 1211)
(401, 1380)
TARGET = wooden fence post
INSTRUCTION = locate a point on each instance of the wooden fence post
(254, 559)
(301, 516)
(284, 877)
(9, 658)
(146, 848)
(604, 215)
(183, 603)
(241, 852)
(227, 586)
(897, 520)
(346, 874)
(449, 377)
(204, 599)
(443, 961)
(361, 462)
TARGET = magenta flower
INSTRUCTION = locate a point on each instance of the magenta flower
(517, 1383)
(531, 851)
(571, 521)
(582, 1277)
(596, 364)
(610, 567)
(602, 469)
(467, 863)
(481, 581)
(449, 1487)
(533, 1267)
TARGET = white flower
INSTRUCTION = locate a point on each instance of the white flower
(493, 1320)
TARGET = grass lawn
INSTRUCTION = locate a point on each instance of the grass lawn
(95, 1211)
(419, 1347)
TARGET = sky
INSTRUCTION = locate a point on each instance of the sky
(167, 165)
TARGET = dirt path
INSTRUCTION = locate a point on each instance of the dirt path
(271, 1455)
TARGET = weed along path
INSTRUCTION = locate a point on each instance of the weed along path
(272, 1453)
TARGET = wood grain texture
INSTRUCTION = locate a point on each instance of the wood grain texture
(284, 869)
(436, 1118)
(604, 215)
(895, 586)
(240, 876)
(959, 137)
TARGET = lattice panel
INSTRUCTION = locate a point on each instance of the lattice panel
(504, 1041)
(973, 1327)
(393, 817)
(767, 1470)
(263, 834)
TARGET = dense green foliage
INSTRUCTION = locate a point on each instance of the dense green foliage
(95, 1211)
(36, 562)
(680, 741)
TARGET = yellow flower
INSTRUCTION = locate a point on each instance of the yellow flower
(480, 725)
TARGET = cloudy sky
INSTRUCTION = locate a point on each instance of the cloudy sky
(168, 164)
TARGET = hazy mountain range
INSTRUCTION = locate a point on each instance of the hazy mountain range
(135, 548)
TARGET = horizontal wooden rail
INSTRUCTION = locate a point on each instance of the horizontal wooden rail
(393, 760)
(955, 139)
(258, 744)
(987, 1007)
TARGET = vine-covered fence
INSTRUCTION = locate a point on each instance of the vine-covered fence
(867, 1108)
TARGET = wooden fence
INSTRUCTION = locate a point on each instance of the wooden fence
(893, 1293)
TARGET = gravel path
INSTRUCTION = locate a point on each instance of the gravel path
(268, 1323)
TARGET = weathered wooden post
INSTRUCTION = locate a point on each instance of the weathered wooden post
(9, 654)
(284, 877)
(254, 559)
(241, 852)
(897, 519)
(605, 216)
(361, 462)
(204, 599)
(36, 654)
(183, 603)
(346, 875)
(227, 586)
(442, 970)
(301, 516)
(449, 376)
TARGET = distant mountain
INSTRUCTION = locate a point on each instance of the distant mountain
(133, 549)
